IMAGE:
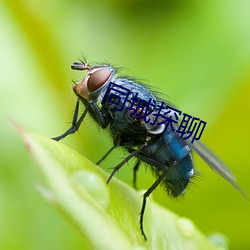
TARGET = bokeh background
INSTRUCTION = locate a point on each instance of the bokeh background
(195, 52)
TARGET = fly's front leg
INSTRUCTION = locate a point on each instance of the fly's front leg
(75, 123)
(97, 114)
(93, 109)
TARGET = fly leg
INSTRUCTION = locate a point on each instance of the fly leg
(125, 160)
(91, 107)
(96, 112)
(136, 167)
(145, 196)
(105, 155)
(75, 124)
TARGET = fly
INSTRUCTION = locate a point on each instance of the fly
(127, 108)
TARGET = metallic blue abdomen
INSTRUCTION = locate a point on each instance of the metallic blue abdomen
(168, 153)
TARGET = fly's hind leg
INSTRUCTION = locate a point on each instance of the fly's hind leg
(145, 196)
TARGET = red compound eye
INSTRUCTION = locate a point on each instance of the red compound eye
(97, 79)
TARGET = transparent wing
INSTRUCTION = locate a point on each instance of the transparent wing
(215, 163)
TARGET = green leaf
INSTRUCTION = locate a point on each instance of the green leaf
(107, 215)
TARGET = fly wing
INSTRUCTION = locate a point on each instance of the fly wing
(215, 163)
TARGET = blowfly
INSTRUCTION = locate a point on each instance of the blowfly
(146, 126)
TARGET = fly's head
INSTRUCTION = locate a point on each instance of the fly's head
(95, 80)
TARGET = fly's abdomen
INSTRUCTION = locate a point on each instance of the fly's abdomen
(168, 154)
(180, 165)
(178, 176)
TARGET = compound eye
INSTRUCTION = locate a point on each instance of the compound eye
(97, 79)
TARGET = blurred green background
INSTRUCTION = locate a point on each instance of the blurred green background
(196, 52)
